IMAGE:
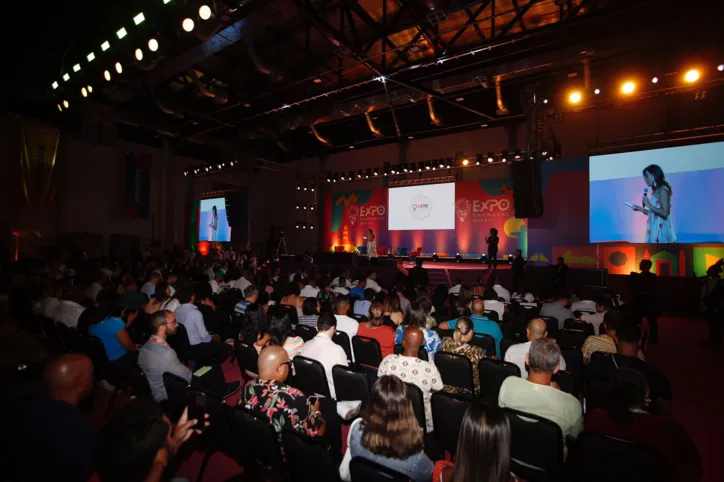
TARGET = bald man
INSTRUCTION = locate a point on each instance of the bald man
(50, 438)
(282, 404)
(481, 324)
(536, 330)
(410, 369)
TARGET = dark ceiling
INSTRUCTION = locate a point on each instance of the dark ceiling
(287, 79)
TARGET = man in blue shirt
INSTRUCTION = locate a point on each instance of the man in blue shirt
(251, 295)
(359, 290)
(482, 325)
(203, 347)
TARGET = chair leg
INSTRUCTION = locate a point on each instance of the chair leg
(204, 464)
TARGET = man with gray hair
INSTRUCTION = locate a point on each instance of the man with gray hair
(517, 354)
(539, 395)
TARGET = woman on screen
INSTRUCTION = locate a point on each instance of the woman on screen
(214, 224)
(371, 245)
(660, 226)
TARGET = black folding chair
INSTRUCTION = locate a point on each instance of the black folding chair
(486, 342)
(102, 368)
(574, 365)
(447, 417)
(566, 381)
(506, 328)
(305, 332)
(350, 385)
(308, 458)
(360, 318)
(179, 341)
(217, 436)
(363, 470)
(519, 323)
(506, 343)
(309, 376)
(492, 375)
(176, 390)
(418, 404)
(457, 371)
(571, 338)
(255, 439)
(536, 449)
(551, 325)
(367, 351)
(571, 324)
(342, 340)
(492, 315)
(248, 358)
(624, 461)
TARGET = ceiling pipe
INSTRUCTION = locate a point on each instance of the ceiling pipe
(431, 111)
(168, 111)
(217, 97)
(586, 75)
(318, 136)
(375, 131)
(270, 72)
(502, 109)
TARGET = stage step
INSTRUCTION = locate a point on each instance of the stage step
(437, 277)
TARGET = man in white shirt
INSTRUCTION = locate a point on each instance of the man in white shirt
(492, 303)
(362, 307)
(96, 286)
(345, 324)
(149, 287)
(243, 283)
(214, 283)
(324, 350)
(502, 292)
(339, 285)
(343, 280)
(517, 353)
(372, 282)
(50, 303)
(69, 309)
(210, 273)
(455, 290)
(310, 290)
(584, 305)
(595, 319)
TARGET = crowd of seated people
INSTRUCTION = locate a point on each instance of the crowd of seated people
(216, 304)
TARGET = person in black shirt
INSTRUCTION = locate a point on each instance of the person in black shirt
(643, 290)
(560, 273)
(518, 270)
(492, 241)
(418, 275)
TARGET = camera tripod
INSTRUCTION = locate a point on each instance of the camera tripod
(282, 245)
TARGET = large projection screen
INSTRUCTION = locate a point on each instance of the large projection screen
(428, 207)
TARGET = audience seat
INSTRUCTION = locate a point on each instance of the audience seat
(255, 439)
(536, 448)
(486, 342)
(551, 326)
(457, 371)
(102, 368)
(492, 315)
(363, 470)
(307, 458)
(309, 376)
(179, 341)
(506, 343)
(247, 357)
(342, 339)
(176, 389)
(350, 385)
(418, 404)
(506, 328)
(367, 351)
(568, 338)
(492, 375)
(574, 365)
(447, 417)
(566, 381)
(305, 332)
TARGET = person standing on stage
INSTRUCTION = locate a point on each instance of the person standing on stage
(371, 245)
(518, 269)
(492, 241)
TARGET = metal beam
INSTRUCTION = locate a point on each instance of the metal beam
(471, 21)
(377, 28)
(520, 12)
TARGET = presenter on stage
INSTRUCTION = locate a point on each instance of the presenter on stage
(371, 245)
(214, 224)
(492, 241)
(660, 225)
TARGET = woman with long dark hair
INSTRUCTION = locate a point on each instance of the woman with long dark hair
(483, 448)
(660, 225)
(388, 433)
(416, 316)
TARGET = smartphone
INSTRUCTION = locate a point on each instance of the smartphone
(196, 403)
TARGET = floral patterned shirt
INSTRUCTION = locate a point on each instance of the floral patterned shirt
(432, 340)
(282, 405)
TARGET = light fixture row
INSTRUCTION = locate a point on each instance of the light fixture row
(210, 168)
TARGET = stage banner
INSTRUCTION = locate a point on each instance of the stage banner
(137, 186)
(479, 206)
(37, 164)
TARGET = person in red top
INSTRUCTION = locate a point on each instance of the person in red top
(626, 417)
(377, 330)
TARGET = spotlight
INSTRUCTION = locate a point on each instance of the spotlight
(187, 24)
(66, 77)
(435, 257)
(84, 92)
(393, 171)
(218, 166)
(186, 173)
(427, 166)
(55, 85)
(478, 159)
(299, 187)
(105, 46)
(376, 172)
(720, 67)
(138, 19)
(119, 68)
(205, 12)
(304, 207)
(504, 156)
(465, 162)
(628, 87)
(304, 226)
(458, 258)
(575, 97)
(152, 44)
(342, 177)
(442, 164)
(107, 76)
(66, 104)
(329, 178)
(491, 157)
(359, 174)
(597, 91)
(311, 226)
(692, 76)
(655, 80)
(139, 54)
(517, 154)
(483, 259)
(76, 68)
(90, 89)
(305, 186)
(121, 33)
(297, 226)
(91, 57)
(60, 108)
(545, 101)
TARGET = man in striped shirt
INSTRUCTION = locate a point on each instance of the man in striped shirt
(605, 342)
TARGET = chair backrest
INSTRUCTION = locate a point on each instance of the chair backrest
(360, 318)
(492, 315)
(342, 339)
(456, 370)
(309, 376)
(247, 357)
(492, 375)
(574, 365)
(308, 458)
(447, 417)
(551, 325)
(179, 341)
(506, 343)
(350, 385)
(568, 338)
(176, 389)
(486, 342)
(444, 333)
(571, 324)
(64, 336)
(506, 328)
(93, 347)
(418, 404)
(367, 351)
(536, 442)
(624, 461)
(305, 332)
(565, 380)
(363, 470)
(255, 438)
(422, 354)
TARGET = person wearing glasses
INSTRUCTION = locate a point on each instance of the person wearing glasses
(284, 406)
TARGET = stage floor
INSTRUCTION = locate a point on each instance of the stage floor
(452, 265)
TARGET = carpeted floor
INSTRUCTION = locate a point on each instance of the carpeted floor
(690, 367)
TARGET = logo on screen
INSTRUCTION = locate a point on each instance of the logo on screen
(352, 213)
(420, 207)
(462, 209)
